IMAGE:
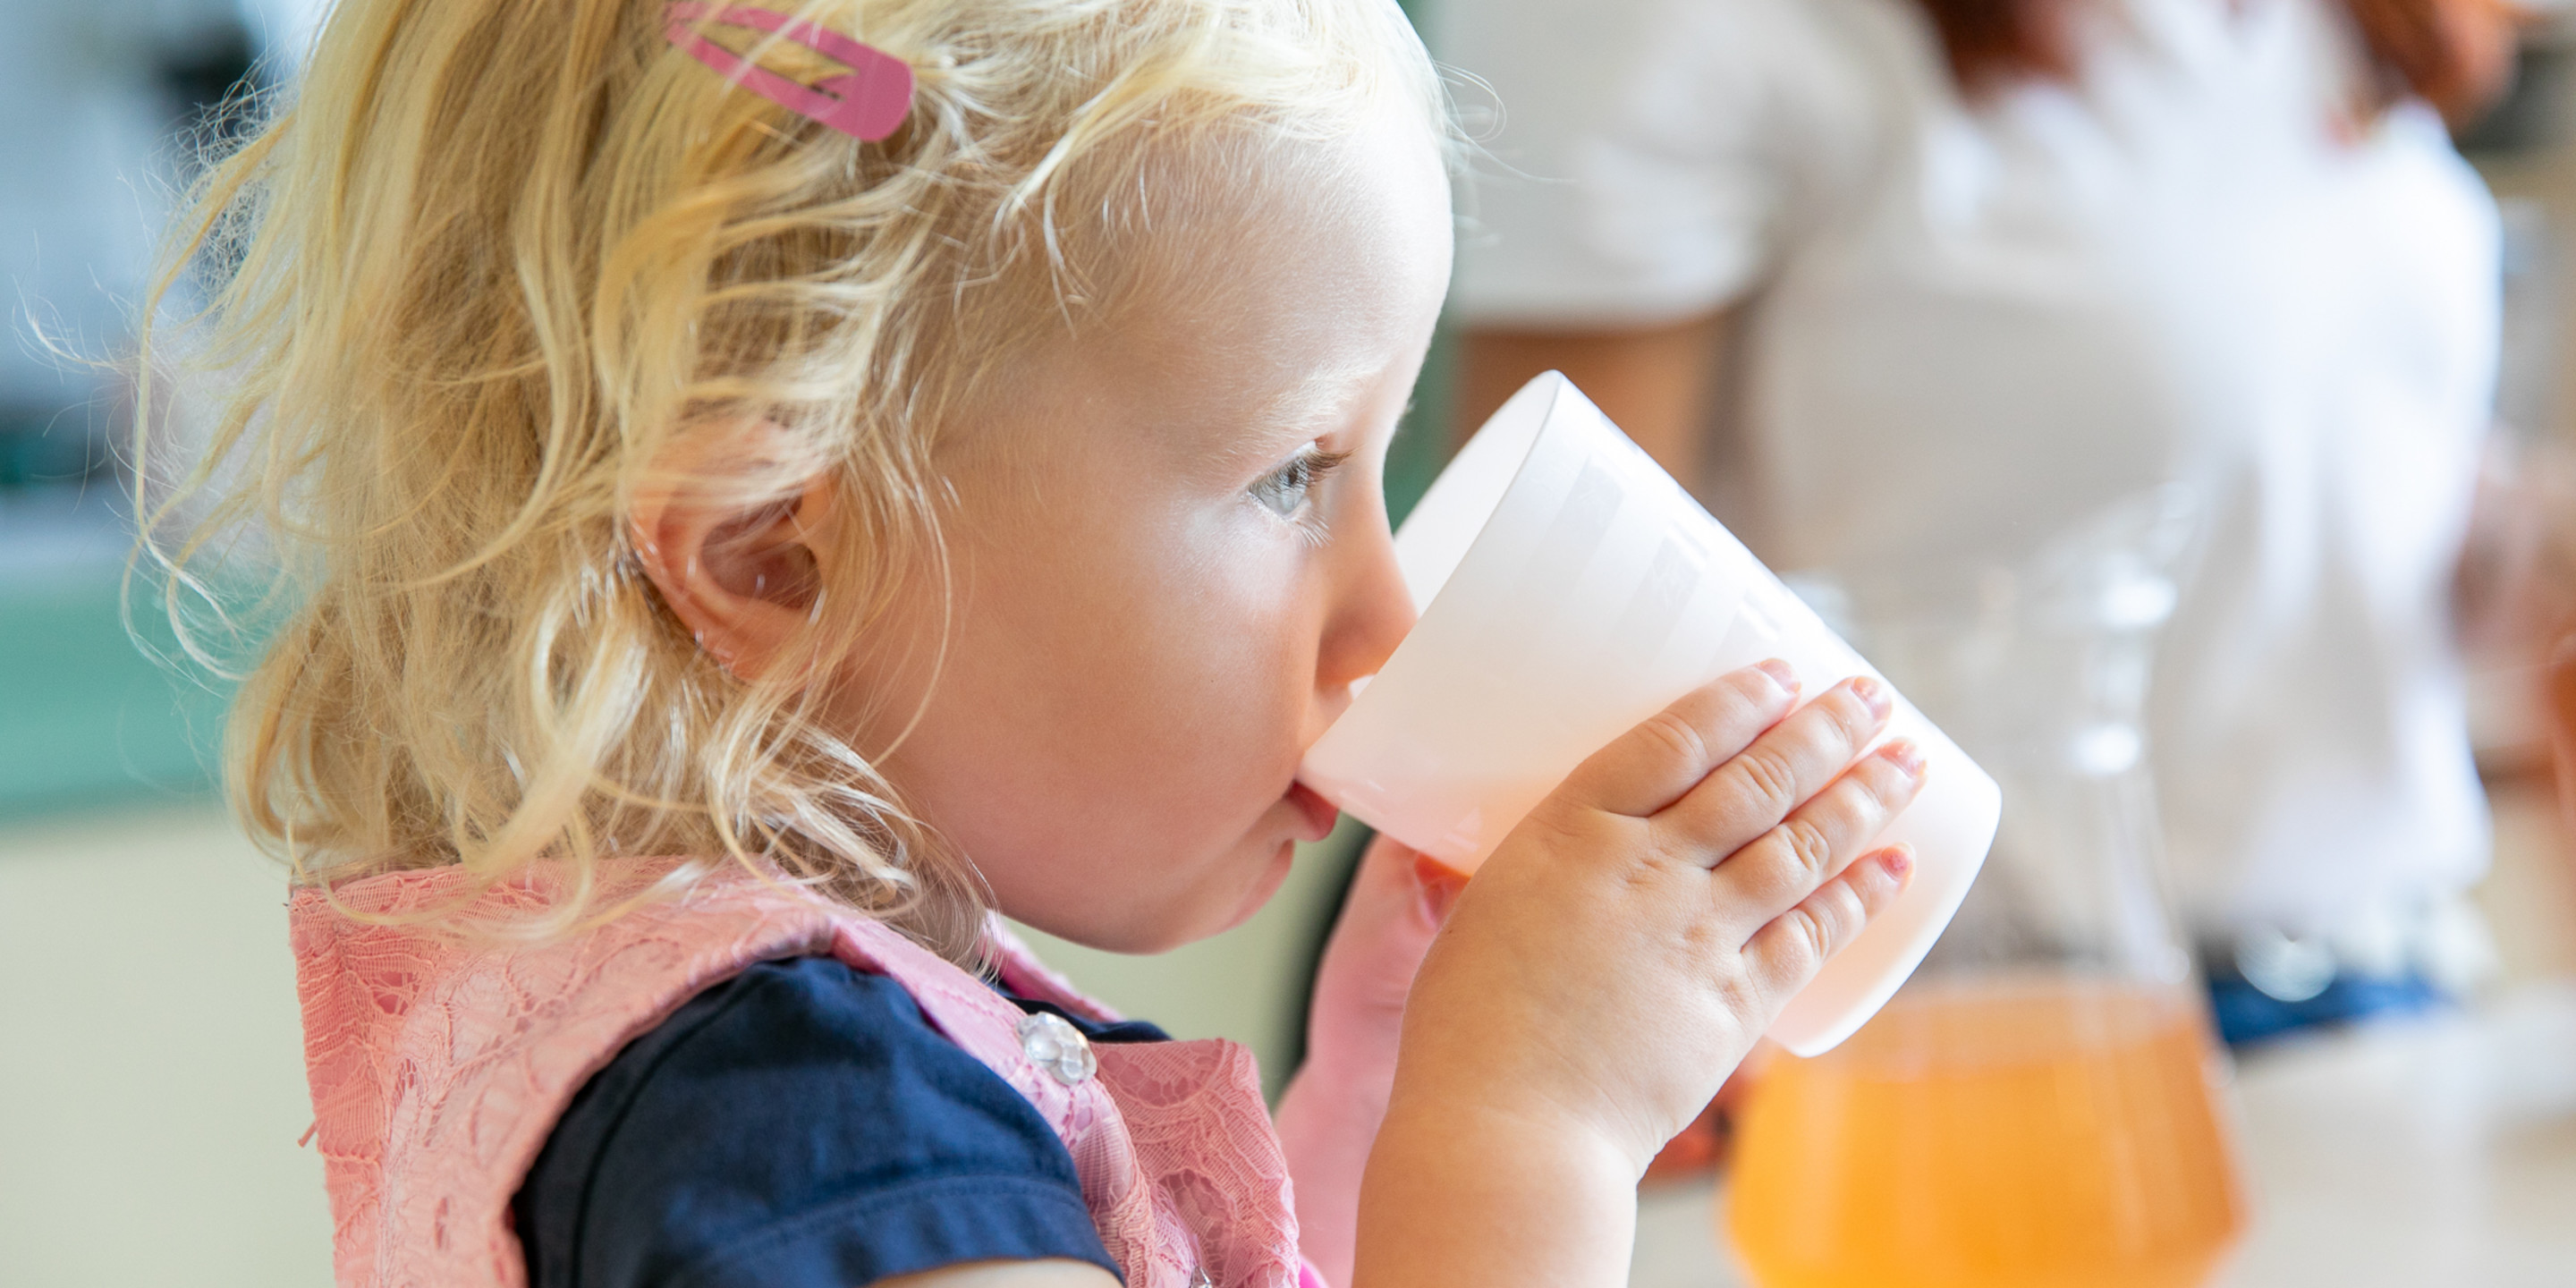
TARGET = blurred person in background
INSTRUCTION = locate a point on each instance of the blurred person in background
(2008, 262)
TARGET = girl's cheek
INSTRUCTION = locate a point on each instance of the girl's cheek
(1250, 560)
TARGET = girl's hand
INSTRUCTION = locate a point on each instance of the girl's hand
(1397, 900)
(1624, 947)
(1611, 964)
(1331, 1111)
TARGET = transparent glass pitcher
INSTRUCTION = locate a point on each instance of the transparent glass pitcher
(2042, 1105)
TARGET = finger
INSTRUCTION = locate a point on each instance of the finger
(1397, 881)
(1650, 766)
(1810, 847)
(1387, 859)
(1787, 953)
(1750, 793)
(1440, 886)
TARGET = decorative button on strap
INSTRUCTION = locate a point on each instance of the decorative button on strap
(1199, 1278)
(1056, 1046)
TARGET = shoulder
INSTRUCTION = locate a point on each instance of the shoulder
(1717, 73)
(799, 1123)
(1787, 84)
(1645, 162)
(1530, 45)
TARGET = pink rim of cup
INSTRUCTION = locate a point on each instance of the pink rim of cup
(1570, 588)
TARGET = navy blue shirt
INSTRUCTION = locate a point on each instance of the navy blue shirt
(800, 1125)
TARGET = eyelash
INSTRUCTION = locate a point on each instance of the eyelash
(1295, 480)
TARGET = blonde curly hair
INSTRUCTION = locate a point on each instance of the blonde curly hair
(471, 279)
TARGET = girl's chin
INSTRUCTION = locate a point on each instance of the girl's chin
(1179, 923)
(1272, 877)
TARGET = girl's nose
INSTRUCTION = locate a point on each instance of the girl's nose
(1371, 613)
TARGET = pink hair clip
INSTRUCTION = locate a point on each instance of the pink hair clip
(867, 102)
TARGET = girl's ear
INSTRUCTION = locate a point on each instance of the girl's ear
(733, 523)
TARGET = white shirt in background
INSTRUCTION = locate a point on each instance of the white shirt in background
(1972, 327)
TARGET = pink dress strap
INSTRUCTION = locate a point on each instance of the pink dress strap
(440, 1063)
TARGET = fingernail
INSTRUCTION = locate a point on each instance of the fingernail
(1439, 884)
(1902, 753)
(1899, 861)
(1438, 897)
(1871, 692)
(1781, 673)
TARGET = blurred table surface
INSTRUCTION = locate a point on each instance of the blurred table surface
(2425, 1153)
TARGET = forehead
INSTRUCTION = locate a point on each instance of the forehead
(1285, 283)
(1259, 298)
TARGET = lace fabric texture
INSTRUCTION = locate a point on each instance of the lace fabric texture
(439, 1064)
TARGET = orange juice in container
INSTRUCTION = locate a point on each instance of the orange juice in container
(2001, 1134)
(2041, 1106)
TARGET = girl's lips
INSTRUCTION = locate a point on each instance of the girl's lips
(1319, 813)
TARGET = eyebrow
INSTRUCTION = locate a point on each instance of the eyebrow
(1309, 407)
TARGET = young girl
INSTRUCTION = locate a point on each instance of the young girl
(762, 490)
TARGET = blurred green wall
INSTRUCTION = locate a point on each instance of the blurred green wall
(87, 718)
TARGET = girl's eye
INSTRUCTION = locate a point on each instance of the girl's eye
(1283, 491)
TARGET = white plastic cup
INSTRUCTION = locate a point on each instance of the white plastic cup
(1569, 588)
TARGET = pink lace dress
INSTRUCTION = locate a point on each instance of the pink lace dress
(440, 1063)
